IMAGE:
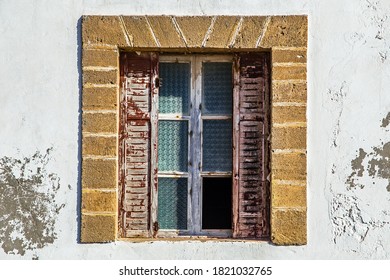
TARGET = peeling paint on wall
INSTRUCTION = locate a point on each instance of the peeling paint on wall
(386, 121)
(357, 170)
(28, 207)
(379, 163)
(351, 213)
(375, 164)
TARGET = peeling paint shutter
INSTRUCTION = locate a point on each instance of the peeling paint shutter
(136, 153)
(251, 126)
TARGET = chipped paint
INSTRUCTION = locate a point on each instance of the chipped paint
(386, 121)
(28, 207)
(379, 163)
(375, 164)
(137, 146)
(358, 169)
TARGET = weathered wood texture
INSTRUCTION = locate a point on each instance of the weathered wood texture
(135, 174)
(251, 212)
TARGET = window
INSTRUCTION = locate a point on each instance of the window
(119, 186)
(195, 145)
(194, 148)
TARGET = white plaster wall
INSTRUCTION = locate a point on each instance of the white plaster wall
(348, 96)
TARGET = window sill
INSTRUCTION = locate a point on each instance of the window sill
(191, 239)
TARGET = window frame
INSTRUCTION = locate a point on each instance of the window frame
(200, 85)
(195, 142)
(105, 37)
(138, 133)
(173, 174)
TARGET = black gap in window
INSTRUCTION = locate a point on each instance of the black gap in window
(217, 203)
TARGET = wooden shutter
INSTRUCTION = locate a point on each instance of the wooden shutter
(250, 141)
(137, 146)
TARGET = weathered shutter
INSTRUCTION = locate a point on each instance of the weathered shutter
(137, 147)
(251, 131)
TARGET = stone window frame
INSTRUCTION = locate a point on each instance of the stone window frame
(103, 37)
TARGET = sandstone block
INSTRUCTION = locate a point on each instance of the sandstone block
(98, 228)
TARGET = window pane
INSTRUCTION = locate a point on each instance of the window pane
(217, 87)
(217, 215)
(175, 88)
(217, 145)
(172, 203)
(172, 145)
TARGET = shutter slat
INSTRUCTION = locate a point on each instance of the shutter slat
(251, 204)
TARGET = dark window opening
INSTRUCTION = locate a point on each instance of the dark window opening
(217, 203)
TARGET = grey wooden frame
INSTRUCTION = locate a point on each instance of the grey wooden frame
(195, 151)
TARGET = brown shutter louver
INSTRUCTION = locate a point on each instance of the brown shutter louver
(137, 145)
(250, 156)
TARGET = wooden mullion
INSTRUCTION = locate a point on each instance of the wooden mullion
(217, 117)
(215, 174)
(196, 145)
(173, 117)
(173, 174)
(236, 142)
(153, 199)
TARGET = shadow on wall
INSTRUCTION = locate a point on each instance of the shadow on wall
(28, 209)
(79, 134)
